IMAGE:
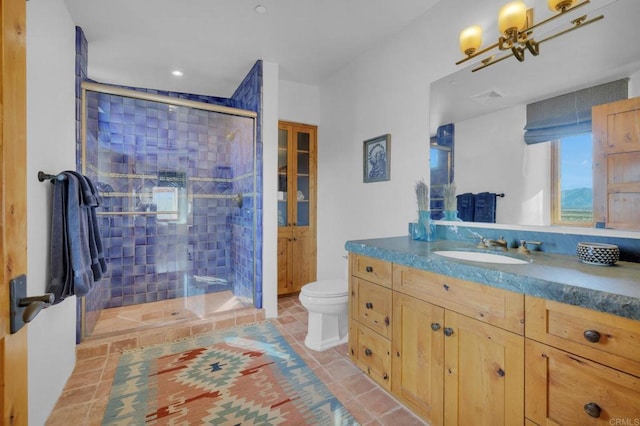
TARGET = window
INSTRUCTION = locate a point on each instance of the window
(571, 180)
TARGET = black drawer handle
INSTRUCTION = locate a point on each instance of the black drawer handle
(448, 331)
(386, 321)
(368, 352)
(435, 326)
(592, 409)
(368, 305)
(385, 376)
(592, 336)
(369, 269)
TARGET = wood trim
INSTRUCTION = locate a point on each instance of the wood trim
(13, 223)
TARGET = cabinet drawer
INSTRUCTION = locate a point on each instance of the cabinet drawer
(495, 306)
(602, 337)
(373, 306)
(374, 356)
(564, 389)
(374, 270)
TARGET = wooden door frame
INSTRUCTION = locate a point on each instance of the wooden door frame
(13, 224)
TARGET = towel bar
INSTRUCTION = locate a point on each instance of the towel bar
(42, 176)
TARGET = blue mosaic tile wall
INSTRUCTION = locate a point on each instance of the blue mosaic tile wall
(248, 96)
(201, 263)
(139, 153)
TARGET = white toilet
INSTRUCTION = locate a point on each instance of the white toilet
(327, 303)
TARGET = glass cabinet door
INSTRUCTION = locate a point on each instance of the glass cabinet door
(302, 178)
(296, 175)
(283, 165)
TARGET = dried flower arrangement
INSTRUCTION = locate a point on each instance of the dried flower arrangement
(422, 195)
(449, 194)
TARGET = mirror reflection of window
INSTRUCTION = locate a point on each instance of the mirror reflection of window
(572, 181)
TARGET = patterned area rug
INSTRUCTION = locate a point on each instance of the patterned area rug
(240, 376)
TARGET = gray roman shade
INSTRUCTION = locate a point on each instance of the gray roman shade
(569, 114)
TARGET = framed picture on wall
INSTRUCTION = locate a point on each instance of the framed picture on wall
(376, 161)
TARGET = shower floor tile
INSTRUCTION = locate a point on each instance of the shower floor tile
(133, 318)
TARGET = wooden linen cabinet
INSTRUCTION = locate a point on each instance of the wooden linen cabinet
(297, 181)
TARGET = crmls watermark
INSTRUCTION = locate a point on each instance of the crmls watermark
(624, 422)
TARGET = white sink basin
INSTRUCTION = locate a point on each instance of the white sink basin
(480, 257)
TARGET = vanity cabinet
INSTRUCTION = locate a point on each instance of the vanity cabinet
(442, 346)
(370, 311)
(583, 366)
(297, 165)
(451, 364)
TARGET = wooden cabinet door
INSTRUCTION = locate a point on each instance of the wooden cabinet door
(483, 373)
(285, 284)
(616, 172)
(302, 258)
(417, 351)
(295, 248)
(565, 389)
(297, 181)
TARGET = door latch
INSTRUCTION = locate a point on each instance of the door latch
(24, 309)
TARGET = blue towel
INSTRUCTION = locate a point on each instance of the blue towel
(466, 206)
(90, 200)
(76, 257)
(485, 207)
(60, 264)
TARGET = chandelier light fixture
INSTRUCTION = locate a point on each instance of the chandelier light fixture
(516, 25)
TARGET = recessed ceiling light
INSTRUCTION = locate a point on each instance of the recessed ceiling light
(260, 9)
(177, 73)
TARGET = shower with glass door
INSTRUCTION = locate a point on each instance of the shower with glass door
(177, 181)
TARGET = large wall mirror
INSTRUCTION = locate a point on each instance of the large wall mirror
(488, 107)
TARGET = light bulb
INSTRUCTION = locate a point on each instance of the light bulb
(512, 16)
(471, 40)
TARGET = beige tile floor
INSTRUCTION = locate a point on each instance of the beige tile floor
(86, 393)
(146, 316)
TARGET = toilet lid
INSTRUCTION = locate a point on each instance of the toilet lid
(325, 288)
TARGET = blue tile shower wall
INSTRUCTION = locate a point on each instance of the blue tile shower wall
(206, 158)
(205, 257)
(248, 96)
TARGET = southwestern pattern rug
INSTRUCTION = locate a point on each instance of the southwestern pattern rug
(240, 376)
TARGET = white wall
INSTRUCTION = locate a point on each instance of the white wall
(383, 91)
(50, 148)
(270, 91)
(299, 103)
(491, 156)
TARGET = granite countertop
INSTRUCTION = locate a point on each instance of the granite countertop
(614, 289)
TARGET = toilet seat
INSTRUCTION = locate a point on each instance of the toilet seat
(325, 288)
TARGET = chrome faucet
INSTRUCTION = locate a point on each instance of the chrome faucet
(523, 246)
(499, 243)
